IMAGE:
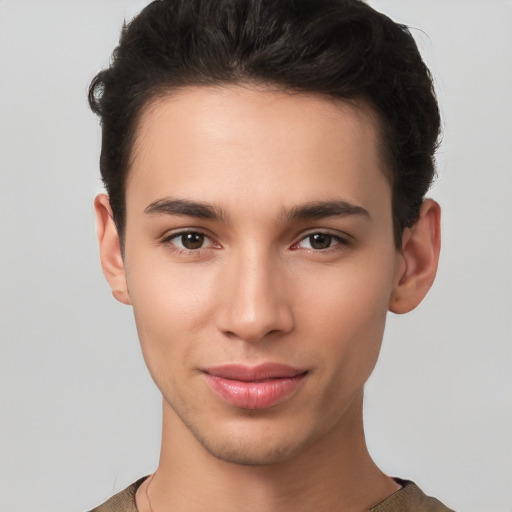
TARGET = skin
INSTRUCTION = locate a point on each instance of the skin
(259, 289)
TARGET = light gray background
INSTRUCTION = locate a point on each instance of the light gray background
(80, 418)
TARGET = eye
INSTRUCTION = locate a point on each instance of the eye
(189, 241)
(320, 241)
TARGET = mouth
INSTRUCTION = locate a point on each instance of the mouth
(256, 387)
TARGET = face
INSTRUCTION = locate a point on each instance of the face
(260, 263)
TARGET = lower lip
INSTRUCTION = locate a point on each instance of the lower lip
(255, 394)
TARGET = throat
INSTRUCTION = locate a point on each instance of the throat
(330, 472)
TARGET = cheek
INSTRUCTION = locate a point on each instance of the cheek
(347, 331)
(171, 307)
(346, 313)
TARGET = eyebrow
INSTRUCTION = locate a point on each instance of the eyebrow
(202, 210)
(185, 207)
(323, 209)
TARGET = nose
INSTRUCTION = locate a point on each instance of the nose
(254, 299)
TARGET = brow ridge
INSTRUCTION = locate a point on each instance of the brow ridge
(185, 207)
(203, 210)
(323, 209)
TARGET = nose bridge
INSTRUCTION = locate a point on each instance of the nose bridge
(254, 302)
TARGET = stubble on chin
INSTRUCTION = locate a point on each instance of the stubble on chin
(246, 448)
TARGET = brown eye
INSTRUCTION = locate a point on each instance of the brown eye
(192, 240)
(320, 241)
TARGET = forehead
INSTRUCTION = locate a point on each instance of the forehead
(234, 142)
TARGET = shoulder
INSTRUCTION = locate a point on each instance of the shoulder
(123, 501)
(410, 498)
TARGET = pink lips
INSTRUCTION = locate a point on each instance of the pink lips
(254, 387)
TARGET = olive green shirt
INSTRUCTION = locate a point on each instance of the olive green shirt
(408, 499)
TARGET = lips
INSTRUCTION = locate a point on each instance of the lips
(256, 387)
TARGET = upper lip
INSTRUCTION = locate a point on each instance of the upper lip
(254, 373)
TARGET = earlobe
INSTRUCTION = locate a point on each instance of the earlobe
(110, 249)
(419, 258)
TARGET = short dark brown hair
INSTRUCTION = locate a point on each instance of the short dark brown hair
(341, 48)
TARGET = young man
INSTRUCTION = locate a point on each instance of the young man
(266, 163)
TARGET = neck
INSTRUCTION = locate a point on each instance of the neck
(333, 473)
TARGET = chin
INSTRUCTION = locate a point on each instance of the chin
(252, 447)
(251, 454)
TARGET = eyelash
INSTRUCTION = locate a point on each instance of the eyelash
(339, 241)
(168, 240)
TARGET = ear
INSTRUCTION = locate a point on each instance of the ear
(110, 249)
(418, 259)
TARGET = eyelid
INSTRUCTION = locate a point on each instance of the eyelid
(171, 235)
(343, 239)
